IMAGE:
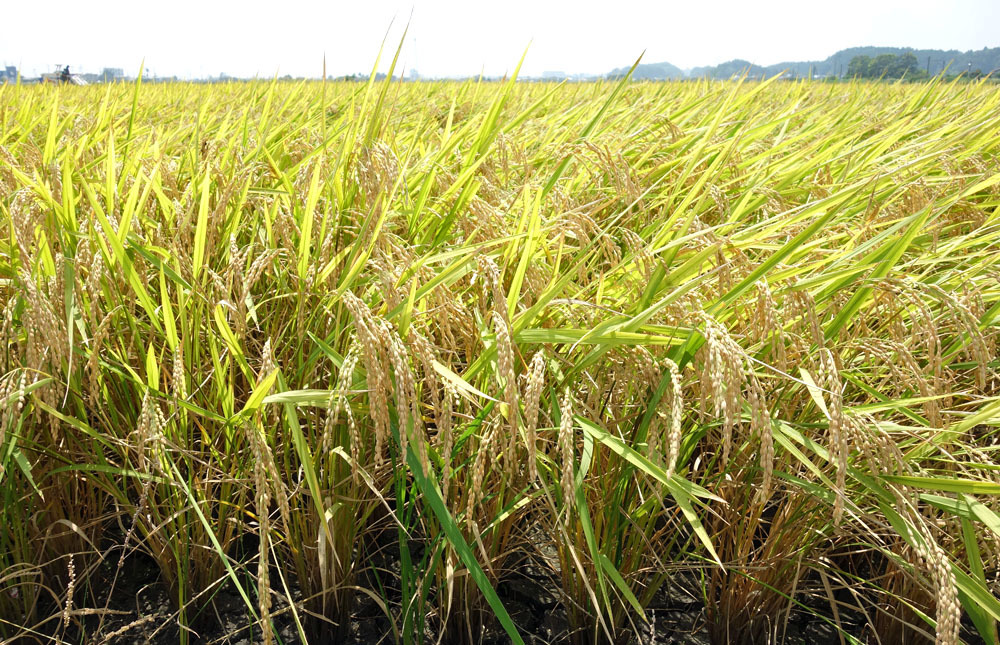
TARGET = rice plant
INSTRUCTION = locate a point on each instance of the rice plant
(322, 347)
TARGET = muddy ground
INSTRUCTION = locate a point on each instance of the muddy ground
(140, 611)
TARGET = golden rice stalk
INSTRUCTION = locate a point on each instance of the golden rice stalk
(257, 268)
(967, 321)
(565, 441)
(838, 448)
(8, 385)
(338, 398)
(935, 562)
(507, 386)
(875, 444)
(376, 169)
(532, 397)
(423, 351)
(725, 274)
(803, 307)
(262, 499)
(489, 274)
(723, 379)
(177, 375)
(721, 201)
(676, 416)
(44, 326)
(24, 218)
(140, 507)
(267, 361)
(338, 402)
(111, 637)
(639, 251)
(70, 589)
(768, 325)
(376, 367)
(476, 492)
(407, 403)
(149, 433)
(7, 327)
(442, 402)
(760, 425)
(926, 327)
(234, 268)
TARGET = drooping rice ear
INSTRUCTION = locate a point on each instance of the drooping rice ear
(676, 416)
(476, 492)
(565, 441)
(376, 369)
(760, 427)
(411, 427)
(936, 564)
(507, 387)
(769, 326)
(532, 397)
(722, 379)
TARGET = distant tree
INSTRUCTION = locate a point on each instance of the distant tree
(882, 65)
(903, 65)
(859, 67)
(886, 65)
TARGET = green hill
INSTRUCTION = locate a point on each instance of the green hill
(985, 60)
(650, 72)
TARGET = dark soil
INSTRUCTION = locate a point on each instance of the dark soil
(140, 611)
(134, 607)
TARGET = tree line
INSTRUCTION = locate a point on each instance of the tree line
(895, 66)
(886, 66)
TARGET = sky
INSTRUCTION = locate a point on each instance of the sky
(199, 38)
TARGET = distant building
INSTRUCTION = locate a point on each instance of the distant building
(553, 75)
(111, 74)
(414, 76)
(8, 74)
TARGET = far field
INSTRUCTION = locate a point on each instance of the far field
(500, 362)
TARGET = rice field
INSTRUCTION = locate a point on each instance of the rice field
(385, 348)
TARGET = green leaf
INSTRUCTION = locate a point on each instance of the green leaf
(432, 496)
(949, 484)
(983, 514)
(169, 325)
(305, 240)
(25, 467)
(317, 398)
(152, 368)
(259, 393)
(623, 587)
(201, 228)
(680, 489)
(179, 480)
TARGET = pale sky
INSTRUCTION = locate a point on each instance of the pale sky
(450, 37)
